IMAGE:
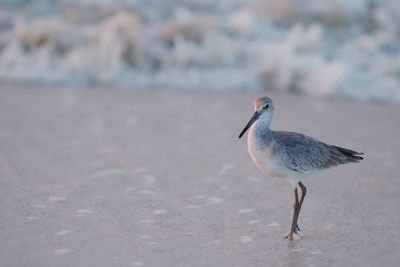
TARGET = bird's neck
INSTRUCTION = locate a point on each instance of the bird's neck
(263, 124)
(259, 135)
(260, 127)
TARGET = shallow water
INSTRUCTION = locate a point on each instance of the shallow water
(74, 196)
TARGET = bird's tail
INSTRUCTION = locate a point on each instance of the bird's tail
(351, 156)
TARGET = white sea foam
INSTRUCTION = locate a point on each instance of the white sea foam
(82, 212)
(146, 221)
(160, 211)
(251, 222)
(273, 224)
(110, 172)
(213, 201)
(193, 207)
(141, 170)
(350, 49)
(57, 199)
(149, 179)
(243, 211)
(246, 239)
(62, 251)
(329, 225)
(147, 193)
(63, 232)
(224, 187)
(226, 168)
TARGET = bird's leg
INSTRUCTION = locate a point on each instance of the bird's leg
(303, 195)
(297, 228)
(296, 206)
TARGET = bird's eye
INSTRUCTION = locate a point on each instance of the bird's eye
(266, 106)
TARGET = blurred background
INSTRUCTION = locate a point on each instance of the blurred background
(314, 47)
(154, 174)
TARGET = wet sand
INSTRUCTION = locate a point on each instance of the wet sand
(135, 178)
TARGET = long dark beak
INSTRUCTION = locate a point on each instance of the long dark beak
(252, 120)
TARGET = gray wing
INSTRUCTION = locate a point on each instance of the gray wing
(307, 155)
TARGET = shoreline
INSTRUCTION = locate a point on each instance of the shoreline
(160, 178)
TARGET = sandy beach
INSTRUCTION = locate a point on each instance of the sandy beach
(160, 178)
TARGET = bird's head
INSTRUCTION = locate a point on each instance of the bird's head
(263, 109)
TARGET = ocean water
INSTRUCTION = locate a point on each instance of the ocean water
(319, 48)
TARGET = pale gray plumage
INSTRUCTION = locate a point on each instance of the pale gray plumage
(305, 154)
(288, 154)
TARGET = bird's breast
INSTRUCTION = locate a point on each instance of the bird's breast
(261, 154)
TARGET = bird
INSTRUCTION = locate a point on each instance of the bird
(290, 155)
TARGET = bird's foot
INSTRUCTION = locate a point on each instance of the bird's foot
(289, 236)
(295, 235)
(299, 234)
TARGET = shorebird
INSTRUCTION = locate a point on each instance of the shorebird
(290, 155)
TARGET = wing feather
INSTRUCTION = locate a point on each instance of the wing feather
(307, 155)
